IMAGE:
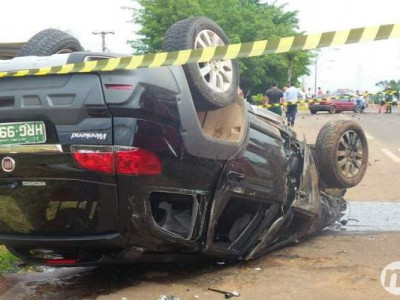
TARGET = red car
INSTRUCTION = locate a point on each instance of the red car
(334, 105)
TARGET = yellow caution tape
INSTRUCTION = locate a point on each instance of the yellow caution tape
(232, 51)
(315, 100)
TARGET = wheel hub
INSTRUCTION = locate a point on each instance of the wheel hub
(349, 153)
(217, 74)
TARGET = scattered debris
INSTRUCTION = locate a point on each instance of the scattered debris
(220, 263)
(344, 222)
(163, 297)
(258, 269)
(227, 295)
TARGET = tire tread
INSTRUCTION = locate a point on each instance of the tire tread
(47, 41)
(325, 149)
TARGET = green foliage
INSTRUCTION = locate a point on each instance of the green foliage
(394, 85)
(7, 260)
(243, 21)
(257, 99)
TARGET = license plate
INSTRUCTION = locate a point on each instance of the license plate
(22, 133)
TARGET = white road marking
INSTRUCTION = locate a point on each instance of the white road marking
(368, 136)
(391, 155)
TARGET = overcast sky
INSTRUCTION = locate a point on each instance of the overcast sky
(356, 66)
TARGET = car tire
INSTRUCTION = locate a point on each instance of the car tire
(313, 112)
(342, 154)
(48, 42)
(356, 109)
(332, 110)
(213, 84)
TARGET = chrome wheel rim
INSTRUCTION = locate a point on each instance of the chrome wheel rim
(350, 153)
(217, 74)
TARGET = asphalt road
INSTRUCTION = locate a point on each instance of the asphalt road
(340, 263)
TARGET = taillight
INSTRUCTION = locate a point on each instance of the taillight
(101, 162)
(119, 87)
(137, 162)
(117, 160)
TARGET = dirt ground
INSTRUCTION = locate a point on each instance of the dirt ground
(332, 265)
(329, 266)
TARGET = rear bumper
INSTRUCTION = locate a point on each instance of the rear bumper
(65, 251)
(110, 240)
(80, 251)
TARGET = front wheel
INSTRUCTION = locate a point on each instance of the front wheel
(342, 154)
(332, 110)
(357, 109)
(313, 112)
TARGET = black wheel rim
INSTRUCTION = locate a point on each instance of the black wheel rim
(350, 153)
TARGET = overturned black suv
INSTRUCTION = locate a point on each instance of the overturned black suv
(158, 164)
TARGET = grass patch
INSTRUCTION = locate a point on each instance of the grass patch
(8, 262)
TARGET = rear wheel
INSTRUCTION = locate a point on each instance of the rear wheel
(48, 42)
(213, 84)
(313, 111)
(342, 154)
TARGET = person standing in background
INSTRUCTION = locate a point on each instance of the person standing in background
(381, 102)
(240, 93)
(291, 96)
(320, 92)
(309, 94)
(274, 97)
(388, 100)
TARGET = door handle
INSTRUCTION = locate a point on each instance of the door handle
(232, 175)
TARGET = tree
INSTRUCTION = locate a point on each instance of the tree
(243, 21)
(393, 84)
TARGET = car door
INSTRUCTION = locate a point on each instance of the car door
(251, 188)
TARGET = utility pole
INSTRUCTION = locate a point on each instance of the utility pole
(103, 35)
(315, 73)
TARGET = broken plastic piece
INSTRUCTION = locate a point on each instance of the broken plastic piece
(227, 295)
